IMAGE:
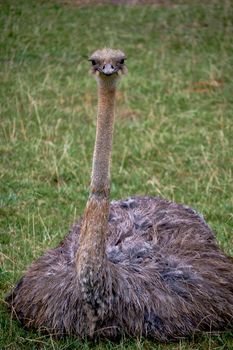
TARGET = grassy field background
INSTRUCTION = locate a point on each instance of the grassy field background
(173, 136)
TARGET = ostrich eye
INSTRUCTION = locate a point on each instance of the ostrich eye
(93, 62)
(122, 61)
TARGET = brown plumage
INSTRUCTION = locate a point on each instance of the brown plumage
(140, 266)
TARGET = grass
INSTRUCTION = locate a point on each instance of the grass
(173, 136)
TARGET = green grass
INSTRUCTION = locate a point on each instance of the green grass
(173, 134)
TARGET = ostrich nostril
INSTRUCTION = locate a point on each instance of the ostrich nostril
(112, 66)
(104, 66)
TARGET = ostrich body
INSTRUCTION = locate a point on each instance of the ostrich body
(140, 266)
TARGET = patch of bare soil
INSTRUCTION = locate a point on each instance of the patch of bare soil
(205, 86)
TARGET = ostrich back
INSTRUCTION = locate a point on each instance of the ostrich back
(168, 277)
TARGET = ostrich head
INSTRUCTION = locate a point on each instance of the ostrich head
(108, 64)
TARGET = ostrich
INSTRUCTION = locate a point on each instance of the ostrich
(143, 266)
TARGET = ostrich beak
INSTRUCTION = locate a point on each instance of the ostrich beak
(108, 69)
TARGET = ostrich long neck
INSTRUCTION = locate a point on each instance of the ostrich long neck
(103, 142)
(92, 265)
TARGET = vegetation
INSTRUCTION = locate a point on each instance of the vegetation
(173, 136)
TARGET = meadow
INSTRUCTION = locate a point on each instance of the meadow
(173, 135)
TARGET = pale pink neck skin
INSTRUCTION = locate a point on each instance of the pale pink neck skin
(100, 178)
(92, 265)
